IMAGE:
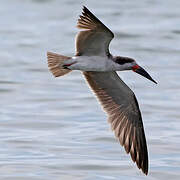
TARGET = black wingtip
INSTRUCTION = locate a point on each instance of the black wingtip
(85, 8)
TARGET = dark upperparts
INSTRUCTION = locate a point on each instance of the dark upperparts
(122, 60)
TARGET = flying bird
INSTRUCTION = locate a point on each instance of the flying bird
(99, 67)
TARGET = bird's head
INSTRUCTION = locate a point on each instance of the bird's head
(127, 63)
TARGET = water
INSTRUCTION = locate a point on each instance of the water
(54, 128)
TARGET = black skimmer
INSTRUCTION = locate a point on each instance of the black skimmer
(99, 68)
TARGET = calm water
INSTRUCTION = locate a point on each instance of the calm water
(54, 129)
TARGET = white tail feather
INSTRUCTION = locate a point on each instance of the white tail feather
(55, 64)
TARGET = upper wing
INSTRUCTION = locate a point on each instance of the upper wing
(95, 38)
(123, 112)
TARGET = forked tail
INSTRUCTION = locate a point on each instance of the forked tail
(55, 64)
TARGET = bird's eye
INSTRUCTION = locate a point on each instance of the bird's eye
(121, 62)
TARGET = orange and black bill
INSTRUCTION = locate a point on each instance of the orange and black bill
(141, 71)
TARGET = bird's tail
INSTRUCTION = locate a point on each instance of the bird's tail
(55, 64)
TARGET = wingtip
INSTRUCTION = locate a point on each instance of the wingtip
(87, 20)
(84, 7)
(145, 171)
(86, 10)
(145, 168)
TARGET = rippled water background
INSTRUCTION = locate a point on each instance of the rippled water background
(54, 128)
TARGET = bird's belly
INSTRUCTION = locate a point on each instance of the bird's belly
(90, 63)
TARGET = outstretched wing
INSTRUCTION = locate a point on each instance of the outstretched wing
(123, 112)
(95, 38)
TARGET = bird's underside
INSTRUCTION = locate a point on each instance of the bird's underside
(116, 98)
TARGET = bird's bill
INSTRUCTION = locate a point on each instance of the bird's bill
(138, 69)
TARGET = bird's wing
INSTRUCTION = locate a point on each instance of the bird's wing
(123, 112)
(95, 37)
